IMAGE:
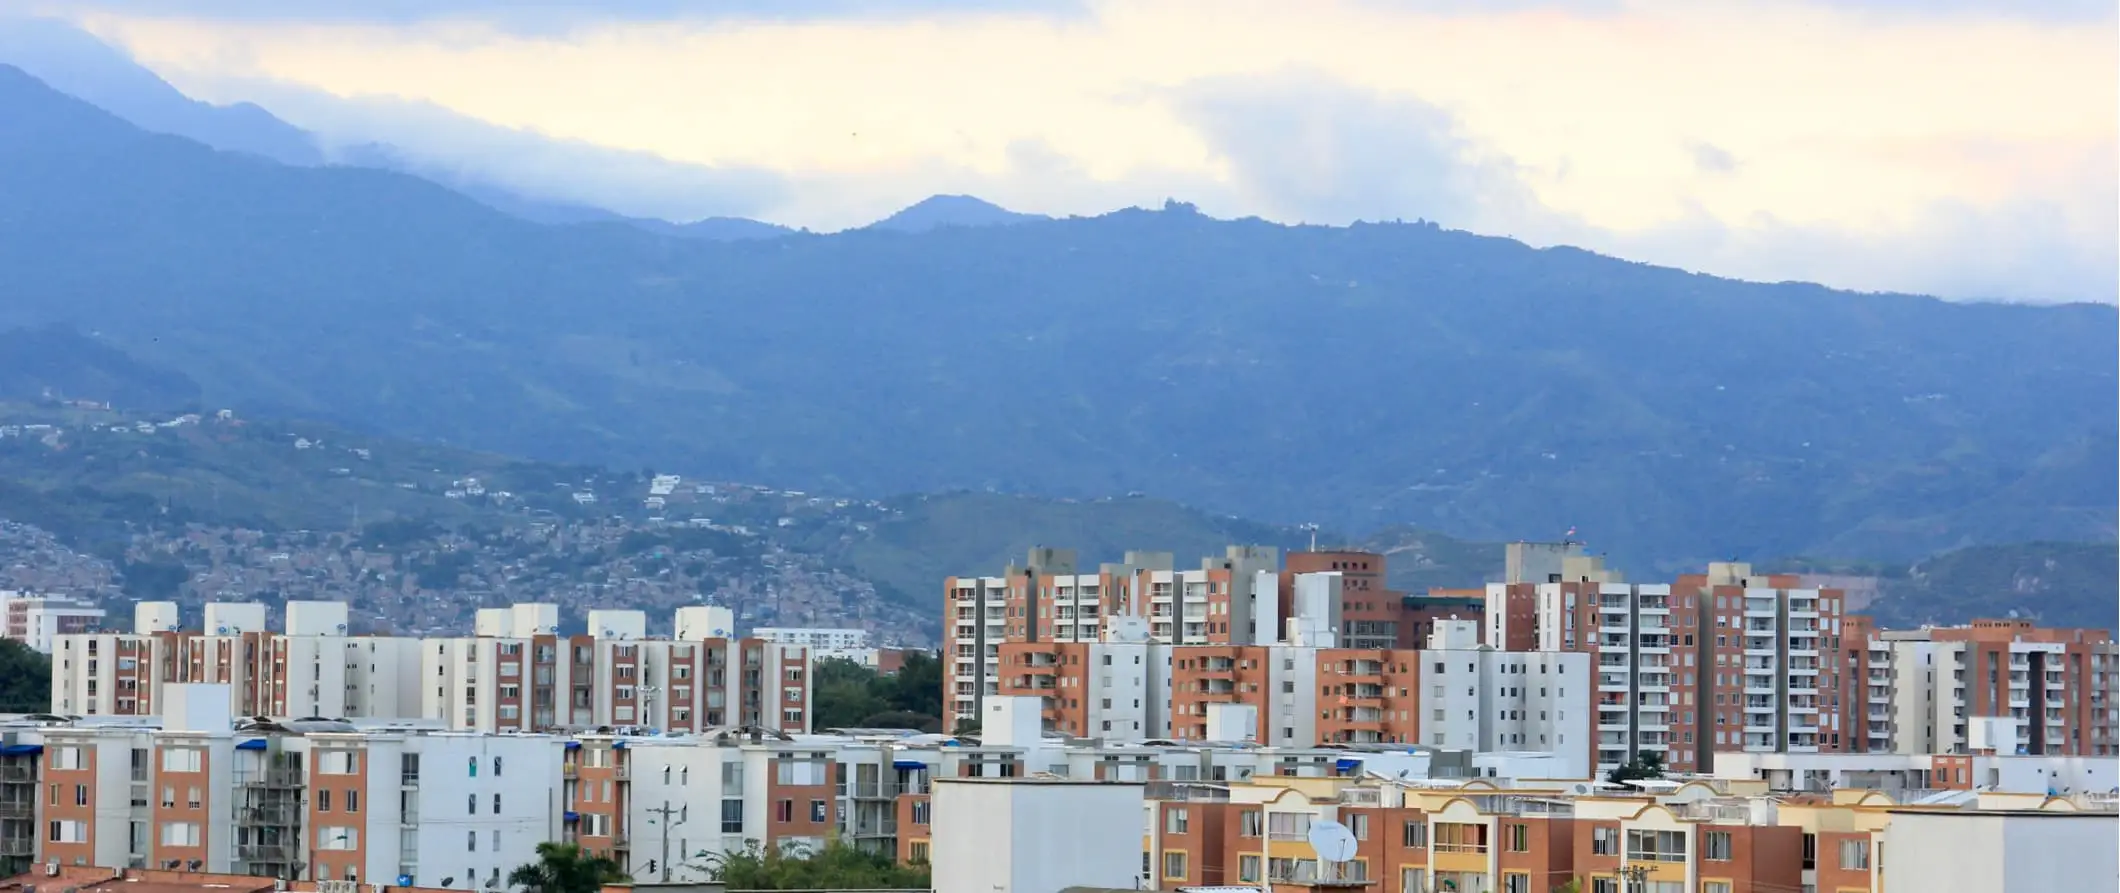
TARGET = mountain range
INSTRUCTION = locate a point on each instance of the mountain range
(1355, 376)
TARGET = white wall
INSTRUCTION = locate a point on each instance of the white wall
(1927, 852)
(1019, 836)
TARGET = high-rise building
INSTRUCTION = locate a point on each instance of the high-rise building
(2056, 687)
(1725, 660)
(34, 620)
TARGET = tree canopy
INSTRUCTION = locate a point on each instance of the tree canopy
(835, 867)
(25, 679)
(564, 868)
(849, 695)
(1645, 765)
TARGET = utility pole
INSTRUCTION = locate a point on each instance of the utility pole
(665, 812)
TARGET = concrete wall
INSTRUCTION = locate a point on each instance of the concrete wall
(1019, 836)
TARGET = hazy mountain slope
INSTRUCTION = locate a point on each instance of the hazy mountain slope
(1350, 376)
(76, 63)
(951, 210)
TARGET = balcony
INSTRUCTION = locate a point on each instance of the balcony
(18, 846)
(281, 815)
(265, 852)
(13, 808)
(274, 777)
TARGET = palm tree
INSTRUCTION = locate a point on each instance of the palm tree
(563, 868)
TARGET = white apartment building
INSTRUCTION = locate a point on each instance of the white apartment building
(36, 620)
(836, 644)
(318, 671)
(616, 676)
(313, 801)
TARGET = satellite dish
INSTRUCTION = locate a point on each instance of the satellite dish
(342, 627)
(404, 880)
(1332, 842)
(221, 630)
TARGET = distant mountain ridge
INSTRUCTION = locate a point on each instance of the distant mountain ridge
(1355, 376)
(952, 210)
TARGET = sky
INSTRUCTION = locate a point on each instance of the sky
(1953, 147)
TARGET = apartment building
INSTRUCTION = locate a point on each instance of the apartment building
(2058, 686)
(35, 620)
(825, 643)
(299, 800)
(1240, 598)
(1724, 660)
(1453, 693)
(518, 675)
(1702, 836)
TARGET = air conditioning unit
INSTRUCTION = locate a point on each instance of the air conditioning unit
(51, 869)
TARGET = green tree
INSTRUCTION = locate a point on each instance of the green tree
(564, 868)
(1645, 765)
(25, 679)
(835, 867)
(850, 695)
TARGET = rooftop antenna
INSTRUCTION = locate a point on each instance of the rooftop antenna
(1313, 528)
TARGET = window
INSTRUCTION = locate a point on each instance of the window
(180, 834)
(1248, 869)
(339, 839)
(732, 816)
(496, 804)
(496, 767)
(324, 800)
(1414, 835)
(471, 841)
(175, 759)
(1604, 885)
(69, 832)
(1248, 823)
(1413, 880)
(471, 804)
(1175, 820)
(1459, 837)
(1174, 865)
(1714, 887)
(1359, 824)
(1656, 846)
(1716, 846)
(784, 811)
(1855, 855)
(917, 851)
(817, 811)
(1519, 835)
(81, 796)
(1516, 883)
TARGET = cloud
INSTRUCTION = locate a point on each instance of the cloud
(453, 148)
(1713, 160)
(1303, 147)
(555, 16)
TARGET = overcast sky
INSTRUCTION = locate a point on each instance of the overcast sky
(1956, 147)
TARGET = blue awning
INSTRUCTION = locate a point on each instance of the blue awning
(251, 744)
(570, 817)
(619, 744)
(1345, 764)
(20, 750)
(574, 745)
(915, 765)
